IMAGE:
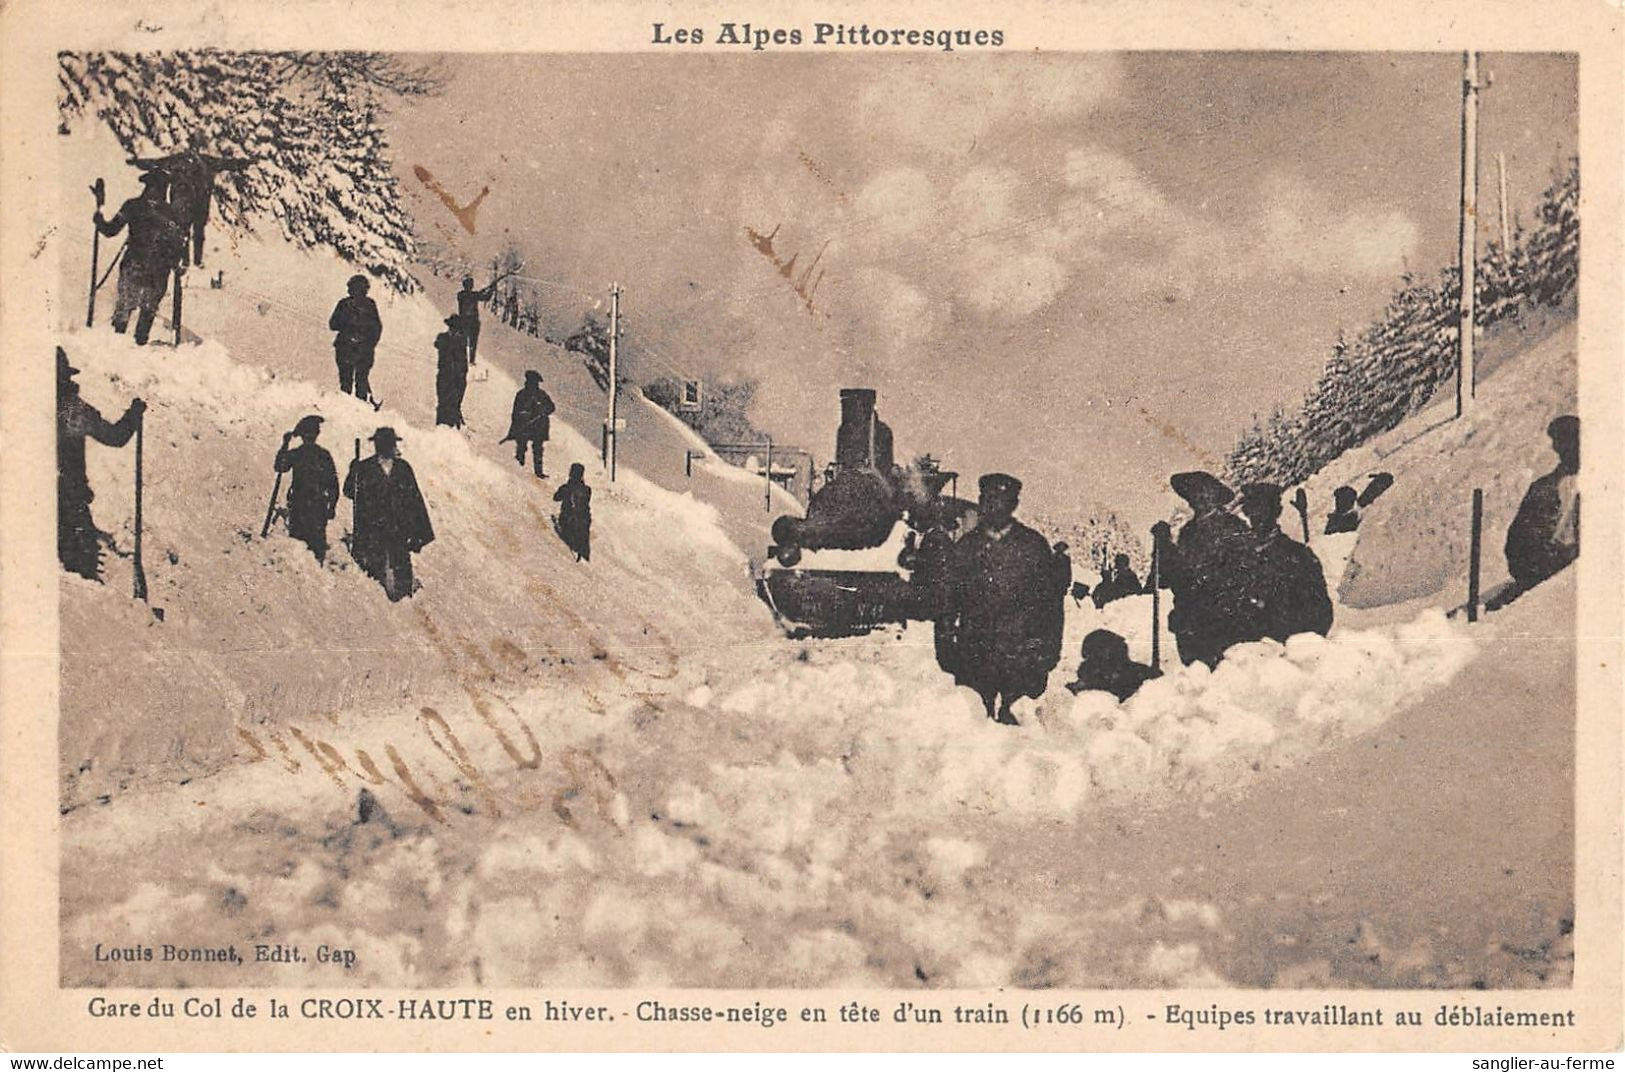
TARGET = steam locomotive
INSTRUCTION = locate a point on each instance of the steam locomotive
(872, 546)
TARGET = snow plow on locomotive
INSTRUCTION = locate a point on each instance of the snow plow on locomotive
(872, 549)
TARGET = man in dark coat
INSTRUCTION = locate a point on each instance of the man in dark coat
(1005, 604)
(355, 320)
(1104, 664)
(153, 250)
(451, 373)
(1544, 537)
(575, 513)
(1345, 515)
(1119, 583)
(468, 307)
(1283, 586)
(532, 413)
(1199, 568)
(391, 520)
(77, 537)
(191, 187)
(313, 491)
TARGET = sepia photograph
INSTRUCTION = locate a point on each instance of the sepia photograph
(821, 504)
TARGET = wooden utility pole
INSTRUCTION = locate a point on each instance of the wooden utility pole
(767, 490)
(612, 430)
(1506, 232)
(1466, 367)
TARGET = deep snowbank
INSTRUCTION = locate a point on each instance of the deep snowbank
(256, 631)
(834, 813)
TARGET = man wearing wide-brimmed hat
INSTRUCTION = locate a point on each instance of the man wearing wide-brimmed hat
(1200, 568)
(77, 537)
(154, 249)
(451, 373)
(391, 520)
(313, 492)
(1004, 605)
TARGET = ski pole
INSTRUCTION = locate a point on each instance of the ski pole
(179, 275)
(99, 191)
(1474, 554)
(140, 572)
(270, 511)
(1156, 602)
(355, 499)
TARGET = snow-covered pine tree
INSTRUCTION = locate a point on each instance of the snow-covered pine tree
(310, 122)
(1395, 367)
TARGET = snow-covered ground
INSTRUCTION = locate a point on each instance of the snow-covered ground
(619, 772)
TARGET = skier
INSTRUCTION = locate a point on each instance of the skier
(1345, 515)
(1544, 536)
(77, 537)
(1283, 587)
(1120, 582)
(391, 520)
(468, 307)
(1104, 664)
(151, 253)
(191, 177)
(355, 319)
(313, 493)
(575, 513)
(451, 373)
(1199, 568)
(1004, 604)
(532, 410)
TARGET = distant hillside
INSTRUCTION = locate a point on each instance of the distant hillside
(1392, 370)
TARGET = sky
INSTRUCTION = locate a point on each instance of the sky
(1091, 270)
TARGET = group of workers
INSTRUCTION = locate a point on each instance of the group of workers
(1234, 576)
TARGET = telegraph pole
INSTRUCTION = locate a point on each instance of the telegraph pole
(1466, 372)
(767, 491)
(612, 432)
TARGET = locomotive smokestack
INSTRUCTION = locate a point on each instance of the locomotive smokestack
(854, 440)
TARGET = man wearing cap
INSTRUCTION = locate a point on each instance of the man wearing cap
(1004, 604)
(391, 520)
(1544, 537)
(1282, 585)
(77, 537)
(313, 491)
(1199, 568)
(532, 413)
(154, 248)
(355, 320)
(451, 373)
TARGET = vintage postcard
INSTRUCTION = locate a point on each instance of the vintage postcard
(959, 527)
